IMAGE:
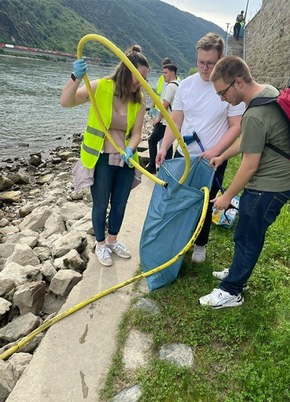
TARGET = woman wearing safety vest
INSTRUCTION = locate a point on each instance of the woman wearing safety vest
(122, 108)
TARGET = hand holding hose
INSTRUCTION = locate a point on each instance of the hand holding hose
(128, 152)
(80, 68)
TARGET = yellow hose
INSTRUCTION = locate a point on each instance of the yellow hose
(150, 92)
(98, 296)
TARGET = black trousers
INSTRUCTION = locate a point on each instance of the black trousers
(237, 28)
(202, 238)
(156, 136)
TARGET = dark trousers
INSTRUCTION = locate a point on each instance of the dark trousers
(202, 238)
(257, 211)
(237, 28)
(156, 136)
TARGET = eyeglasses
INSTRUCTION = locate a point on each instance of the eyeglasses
(207, 64)
(221, 94)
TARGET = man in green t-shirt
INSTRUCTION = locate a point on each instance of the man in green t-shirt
(264, 175)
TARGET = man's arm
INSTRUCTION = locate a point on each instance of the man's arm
(169, 137)
(160, 117)
(247, 169)
(228, 138)
(232, 151)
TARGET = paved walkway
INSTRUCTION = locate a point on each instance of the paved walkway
(73, 359)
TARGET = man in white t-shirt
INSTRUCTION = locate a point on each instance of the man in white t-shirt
(198, 108)
(167, 98)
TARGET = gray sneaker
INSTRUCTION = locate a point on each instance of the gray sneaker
(219, 298)
(119, 249)
(103, 253)
(199, 254)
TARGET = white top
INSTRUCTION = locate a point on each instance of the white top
(168, 94)
(204, 112)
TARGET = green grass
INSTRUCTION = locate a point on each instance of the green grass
(241, 354)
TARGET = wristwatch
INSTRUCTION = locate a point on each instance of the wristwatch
(73, 77)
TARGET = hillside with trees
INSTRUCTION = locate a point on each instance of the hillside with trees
(161, 29)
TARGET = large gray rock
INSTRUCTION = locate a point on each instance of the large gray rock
(54, 224)
(4, 306)
(19, 327)
(7, 381)
(19, 274)
(19, 361)
(29, 297)
(63, 282)
(179, 354)
(65, 243)
(23, 255)
(74, 211)
(36, 219)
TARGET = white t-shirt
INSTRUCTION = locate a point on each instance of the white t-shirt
(168, 95)
(204, 112)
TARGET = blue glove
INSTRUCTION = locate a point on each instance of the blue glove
(151, 112)
(80, 68)
(128, 154)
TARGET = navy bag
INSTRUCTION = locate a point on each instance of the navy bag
(172, 217)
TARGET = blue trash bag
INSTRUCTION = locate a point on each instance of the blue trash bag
(172, 217)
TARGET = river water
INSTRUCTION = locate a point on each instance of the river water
(31, 118)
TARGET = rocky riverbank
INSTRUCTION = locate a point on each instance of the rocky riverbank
(46, 237)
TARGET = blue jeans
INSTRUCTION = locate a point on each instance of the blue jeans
(112, 184)
(257, 211)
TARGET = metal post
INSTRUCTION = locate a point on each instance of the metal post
(227, 38)
(244, 39)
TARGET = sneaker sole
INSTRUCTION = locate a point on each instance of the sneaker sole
(230, 304)
(105, 264)
(122, 256)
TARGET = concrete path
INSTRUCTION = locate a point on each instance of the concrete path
(73, 359)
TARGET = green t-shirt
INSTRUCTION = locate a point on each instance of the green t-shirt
(260, 125)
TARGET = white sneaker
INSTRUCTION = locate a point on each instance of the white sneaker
(103, 253)
(219, 298)
(221, 275)
(199, 254)
(119, 249)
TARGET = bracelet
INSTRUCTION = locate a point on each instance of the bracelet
(73, 77)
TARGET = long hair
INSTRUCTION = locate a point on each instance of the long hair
(122, 76)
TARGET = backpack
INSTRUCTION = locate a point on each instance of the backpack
(283, 102)
(240, 18)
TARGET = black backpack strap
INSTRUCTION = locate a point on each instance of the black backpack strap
(278, 150)
(261, 101)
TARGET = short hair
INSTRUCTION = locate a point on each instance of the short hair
(167, 60)
(211, 41)
(123, 76)
(230, 67)
(170, 67)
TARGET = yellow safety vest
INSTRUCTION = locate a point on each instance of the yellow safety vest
(94, 137)
(160, 83)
